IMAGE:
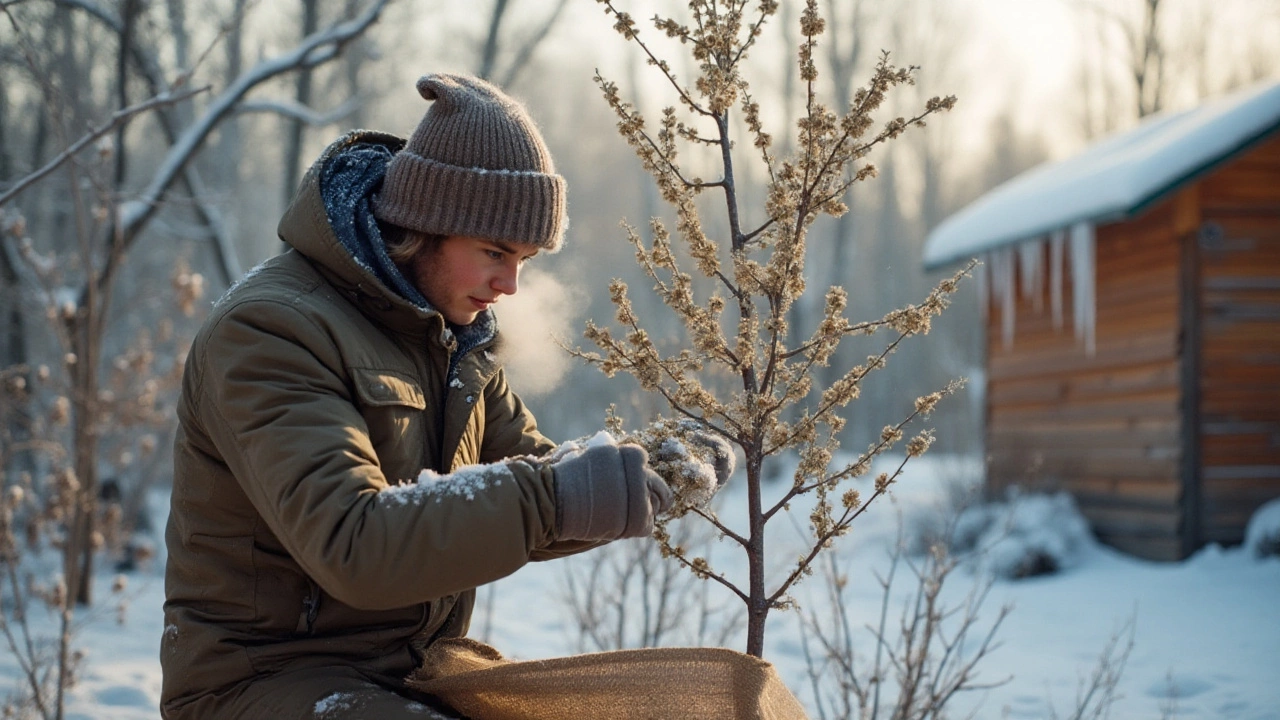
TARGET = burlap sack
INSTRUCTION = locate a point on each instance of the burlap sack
(649, 684)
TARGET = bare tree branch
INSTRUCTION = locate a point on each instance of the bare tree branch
(521, 61)
(298, 111)
(117, 120)
(489, 54)
(660, 64)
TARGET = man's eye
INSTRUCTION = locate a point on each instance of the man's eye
(496, 255)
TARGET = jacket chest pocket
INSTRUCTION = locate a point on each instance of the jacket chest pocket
(468, 452)
(392, 405)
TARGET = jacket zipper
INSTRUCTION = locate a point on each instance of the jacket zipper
(311, 604)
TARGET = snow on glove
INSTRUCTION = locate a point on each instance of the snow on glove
(721, 453)
(607, 492)
(694, 461)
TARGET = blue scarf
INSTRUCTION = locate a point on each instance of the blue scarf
(348, 183)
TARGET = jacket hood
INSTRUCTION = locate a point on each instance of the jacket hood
(331, 222)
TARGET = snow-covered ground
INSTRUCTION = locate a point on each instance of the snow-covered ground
(1206, 632)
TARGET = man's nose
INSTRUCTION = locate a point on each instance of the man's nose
(507, 281)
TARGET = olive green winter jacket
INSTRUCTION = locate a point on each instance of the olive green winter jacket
(310, 391)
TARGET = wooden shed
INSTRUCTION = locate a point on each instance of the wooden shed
(1132, 298)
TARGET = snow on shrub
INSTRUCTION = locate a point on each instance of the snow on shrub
(1262, 534)
(1024, 536)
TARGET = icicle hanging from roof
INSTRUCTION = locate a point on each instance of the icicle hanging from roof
(1083, 286)
(1031, 271)
(1057, 246)
(1002, 289)
(983, 273)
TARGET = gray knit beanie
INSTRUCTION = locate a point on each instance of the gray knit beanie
(475, 166)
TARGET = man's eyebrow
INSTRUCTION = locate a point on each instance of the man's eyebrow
(509, 247)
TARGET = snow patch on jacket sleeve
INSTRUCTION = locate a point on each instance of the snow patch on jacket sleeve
(574, 448)
(338, 702)
(466, 483)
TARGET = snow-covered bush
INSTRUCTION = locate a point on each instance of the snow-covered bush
(1023, 536)
(929, 518)
(1262, 534)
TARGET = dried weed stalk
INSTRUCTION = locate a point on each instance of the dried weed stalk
(626, 595)
(36, 522)
(916, 668)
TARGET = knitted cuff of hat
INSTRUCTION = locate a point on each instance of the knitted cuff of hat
(513, 205)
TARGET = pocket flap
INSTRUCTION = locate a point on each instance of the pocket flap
(385, 387)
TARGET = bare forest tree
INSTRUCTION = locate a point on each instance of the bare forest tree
(76, 402)
(300, 115)
(302, 96)
(911, 196)
(1150, 55)
(740, 386)
(491, 65)
(1138, 45)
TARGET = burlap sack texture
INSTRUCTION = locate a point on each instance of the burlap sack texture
(648, 684)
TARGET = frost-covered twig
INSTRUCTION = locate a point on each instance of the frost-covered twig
(1095, 696)
(297, 111)
(110, 125)
(920, 663)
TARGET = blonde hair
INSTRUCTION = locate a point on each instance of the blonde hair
(403, 245)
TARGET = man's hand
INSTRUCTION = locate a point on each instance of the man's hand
(694, 461)
(721, 451)
(608, 492)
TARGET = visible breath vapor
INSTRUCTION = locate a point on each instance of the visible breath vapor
(530, 322)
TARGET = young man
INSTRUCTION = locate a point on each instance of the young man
(303, 577)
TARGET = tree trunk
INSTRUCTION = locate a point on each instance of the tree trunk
(297, 128)
(85, 426)
(6, 162)
(1148, 75)
(757, 606)
(352, 61)
(489, 56)
(13, 353)
(129, 16)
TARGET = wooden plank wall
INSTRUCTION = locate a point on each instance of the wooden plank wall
(1239, 268)
(1107, 427)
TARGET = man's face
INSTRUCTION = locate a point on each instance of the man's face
(461, 276)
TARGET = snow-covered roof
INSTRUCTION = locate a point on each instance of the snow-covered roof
(1112, 180)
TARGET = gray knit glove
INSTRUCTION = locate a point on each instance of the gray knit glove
(721, 453)
(607, 492)
(694, 462)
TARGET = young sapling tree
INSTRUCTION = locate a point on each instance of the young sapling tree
(757, 273)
